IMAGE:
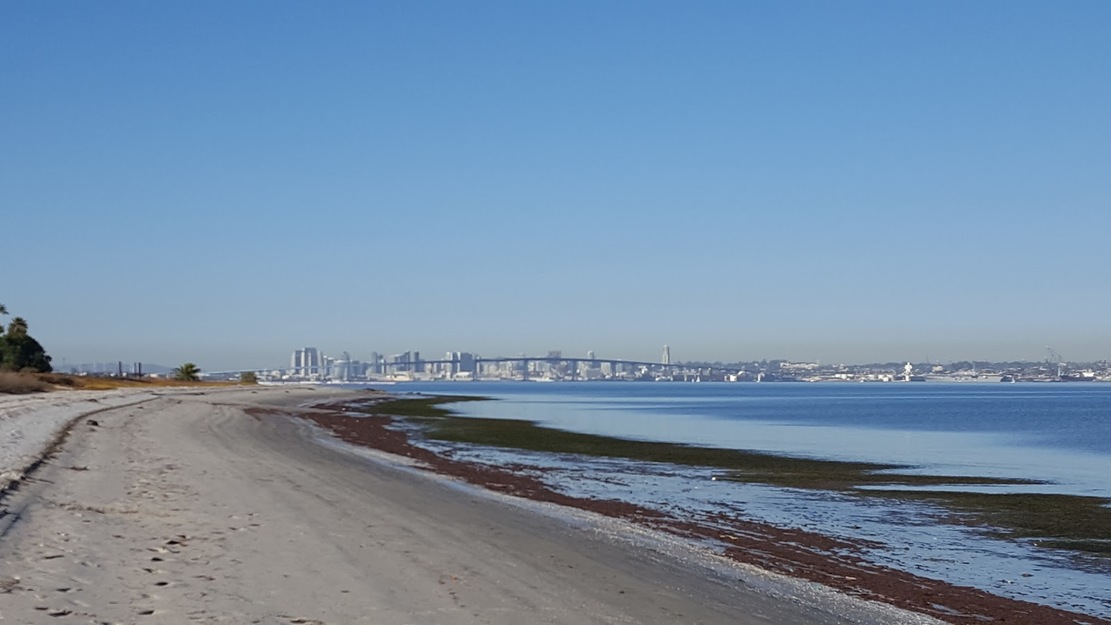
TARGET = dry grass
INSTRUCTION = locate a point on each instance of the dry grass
(13, 383)
(97, 383)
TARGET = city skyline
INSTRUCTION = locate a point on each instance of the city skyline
(859, 182)
(311, 362)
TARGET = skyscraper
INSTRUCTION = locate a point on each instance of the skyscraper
(305, 362)
(667, 355)
(467, 362)
(311, 359)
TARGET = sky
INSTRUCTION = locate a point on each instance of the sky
(854, 181)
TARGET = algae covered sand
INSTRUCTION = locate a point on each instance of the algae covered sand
(1049, 520)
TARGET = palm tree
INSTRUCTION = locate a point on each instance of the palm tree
(18, 327)
(187, 372)
(19, 351)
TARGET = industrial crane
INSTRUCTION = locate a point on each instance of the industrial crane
(1054, 357)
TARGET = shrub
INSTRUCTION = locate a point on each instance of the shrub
(19, 383)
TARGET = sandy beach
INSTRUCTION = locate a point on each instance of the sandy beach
(190, 507)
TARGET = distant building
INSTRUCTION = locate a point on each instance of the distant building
(667, 355)
(459, 364)
(305, 362)
(405, 361)
(312, 363)
(401, 362)
(466, 363)
(340, 368)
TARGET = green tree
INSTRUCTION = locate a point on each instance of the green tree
(248, 377)
(19, 351)
(18, 327)
(187, 372)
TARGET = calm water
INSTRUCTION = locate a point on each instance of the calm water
(1059, 433)
(1055, 432)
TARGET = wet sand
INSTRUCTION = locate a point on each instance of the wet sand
(223, 507)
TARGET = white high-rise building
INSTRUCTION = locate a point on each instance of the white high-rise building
(306, 362)
(667, 355)
(312, 362)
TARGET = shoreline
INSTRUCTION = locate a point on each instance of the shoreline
(226, 504)
(224, 507)
(799, 554)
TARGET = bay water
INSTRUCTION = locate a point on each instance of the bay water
(1059, 434)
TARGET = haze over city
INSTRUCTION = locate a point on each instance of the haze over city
(857, 182)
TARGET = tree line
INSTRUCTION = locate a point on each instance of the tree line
(19, 351)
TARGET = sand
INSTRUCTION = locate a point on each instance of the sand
(30, 423)
(185, 508)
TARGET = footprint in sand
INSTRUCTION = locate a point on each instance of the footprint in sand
(53, 612)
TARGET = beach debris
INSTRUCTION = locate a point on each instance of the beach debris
(8, 585)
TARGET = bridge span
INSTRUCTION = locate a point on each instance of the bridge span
(556, 362)
(570, 368)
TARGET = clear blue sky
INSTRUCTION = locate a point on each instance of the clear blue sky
(223, 182)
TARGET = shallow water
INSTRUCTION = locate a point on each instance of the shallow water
(1059, 433)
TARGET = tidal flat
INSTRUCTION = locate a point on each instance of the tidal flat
(1069, 522)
